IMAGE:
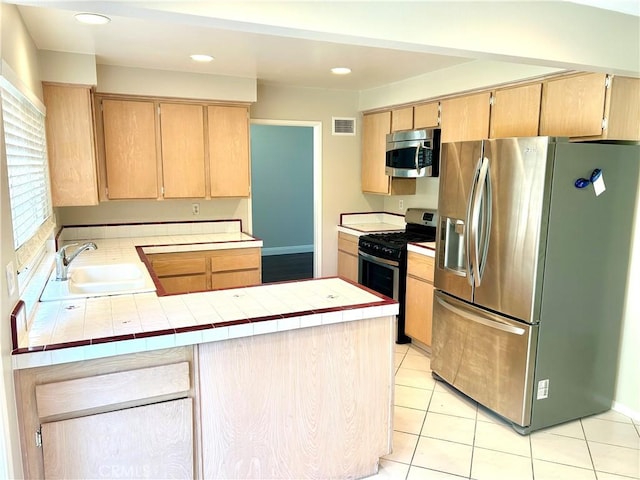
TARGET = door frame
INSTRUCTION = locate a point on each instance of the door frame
(317, 184)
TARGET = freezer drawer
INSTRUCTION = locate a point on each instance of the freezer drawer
(488, 357)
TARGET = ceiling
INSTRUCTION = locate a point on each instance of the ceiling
(162, 35)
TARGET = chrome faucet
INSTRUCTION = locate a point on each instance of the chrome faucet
(63, 262)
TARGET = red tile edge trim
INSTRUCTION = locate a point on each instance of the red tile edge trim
(19, 309)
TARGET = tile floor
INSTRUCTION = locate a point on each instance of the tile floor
(441, 435)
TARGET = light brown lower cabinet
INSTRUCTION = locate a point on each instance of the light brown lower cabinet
(298, 404)
(419, 297)
(348, 256)
(129, 416)
(186, 272)
(152, 441)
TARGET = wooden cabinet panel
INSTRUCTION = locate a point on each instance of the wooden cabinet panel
(185, 283)
(516, 111)
(229, 151)
(426, 115)
(402, 119)
(183, 150)
(420, 266)
(152, 441)
(623, 109)
(348, 256)
(465, 118)
(71, 145)
(419, 297)
(298, 404)
(177, 264)
(235, 279)
(375, 128)
(130, 149)
(348, 266)
(573, 106)
(236, 259)
(419, 310)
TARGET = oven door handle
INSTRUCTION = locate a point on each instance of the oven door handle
(380, 261)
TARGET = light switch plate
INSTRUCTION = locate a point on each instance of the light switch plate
(11, 278)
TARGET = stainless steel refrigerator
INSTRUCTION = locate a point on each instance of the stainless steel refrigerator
(531, 271)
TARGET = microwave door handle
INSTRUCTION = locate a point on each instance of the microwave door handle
(417, 156)
(493, 323)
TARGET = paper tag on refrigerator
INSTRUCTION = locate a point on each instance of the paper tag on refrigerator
(598, 184)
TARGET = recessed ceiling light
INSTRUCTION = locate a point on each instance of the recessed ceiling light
(198, 57)
(341, 71)
(92, 18)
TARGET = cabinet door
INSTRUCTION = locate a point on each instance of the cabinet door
(402, 119)
(418, 310)
(183, 164)
(348, 256)
(229, 151)
(375, 128)
(426, 115)
(153, 441)
(573, 106)
(466, 118)
(516, 111)
(130, 149)
(71, 145)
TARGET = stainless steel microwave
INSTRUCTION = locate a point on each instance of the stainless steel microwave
(413, 153)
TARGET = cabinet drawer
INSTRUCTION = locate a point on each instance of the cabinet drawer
(241, 278)
(112, 390)
(348, 243)
(178, 266)
(184, 284)
(230, 260)
(420, 266)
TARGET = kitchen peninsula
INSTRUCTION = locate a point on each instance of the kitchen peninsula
(252, 382)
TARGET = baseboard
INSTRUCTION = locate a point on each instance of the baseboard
(286, 250)
(623, 409)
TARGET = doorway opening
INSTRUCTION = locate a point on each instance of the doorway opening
(286, 190)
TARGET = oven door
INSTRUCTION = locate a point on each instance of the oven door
(379, 274)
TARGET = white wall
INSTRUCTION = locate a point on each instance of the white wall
(19, 52)
(62, 67)
(340, 154)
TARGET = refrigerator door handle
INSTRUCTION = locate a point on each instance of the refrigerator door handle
(494, 323)
(485, 228)
(471, 230)
(479, 200)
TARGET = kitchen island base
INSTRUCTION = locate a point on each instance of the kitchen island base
(309, 403)
(314, 402)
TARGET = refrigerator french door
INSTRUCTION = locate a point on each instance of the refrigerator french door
(531, 273)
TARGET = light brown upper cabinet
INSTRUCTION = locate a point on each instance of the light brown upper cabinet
(131, 161)
(515, 112)
(229, 151)
(402, 119)
(375, 127)
(465, 118)
(591, 106)
(426, 115)
(183, 150)
(71, 145)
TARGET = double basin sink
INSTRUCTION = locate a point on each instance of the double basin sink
(99, 280)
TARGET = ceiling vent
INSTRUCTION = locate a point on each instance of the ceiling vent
(343, 126)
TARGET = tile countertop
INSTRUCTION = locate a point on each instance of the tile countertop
(423, 248)
(362, 223)
(85, 328)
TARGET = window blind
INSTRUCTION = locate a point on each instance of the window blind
(27, 167)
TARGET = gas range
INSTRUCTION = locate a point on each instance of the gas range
(421, 227)
(382, 259)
